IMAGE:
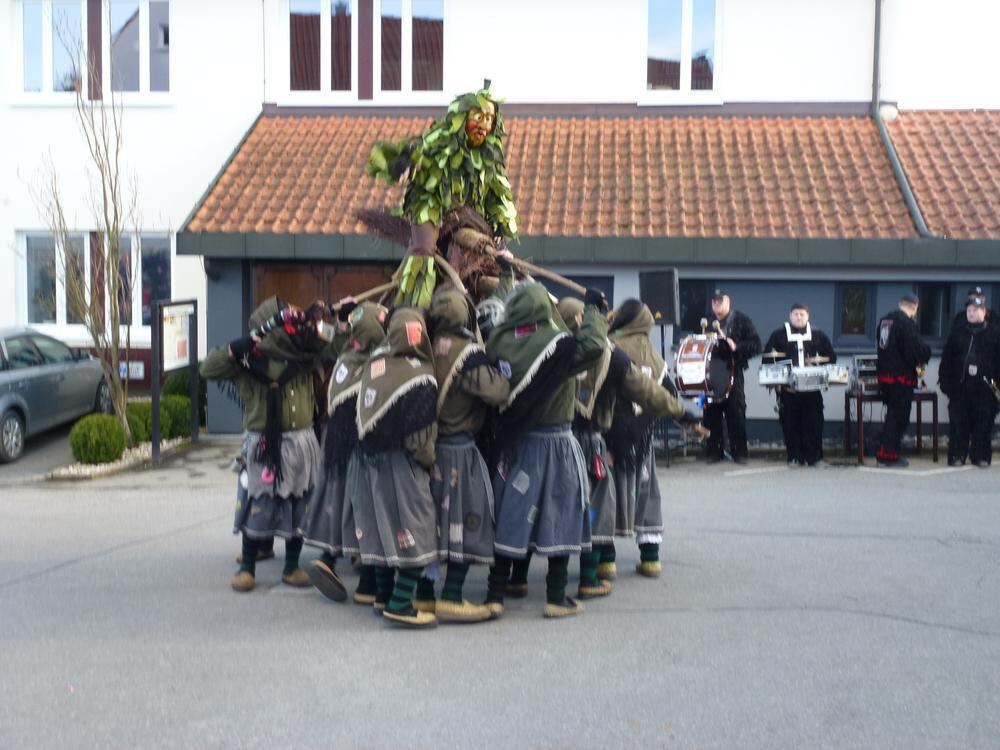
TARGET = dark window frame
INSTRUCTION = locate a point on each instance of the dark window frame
(936, 342)
(850, 340)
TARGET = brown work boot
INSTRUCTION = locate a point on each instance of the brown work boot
(243, 581)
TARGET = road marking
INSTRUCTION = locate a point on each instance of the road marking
(750, 472)
(913, 473)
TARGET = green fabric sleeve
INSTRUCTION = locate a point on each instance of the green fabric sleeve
(652, 397)
(591, 340)
(218, 365)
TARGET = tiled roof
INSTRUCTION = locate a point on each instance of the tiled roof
(586, 176)
(952, 161)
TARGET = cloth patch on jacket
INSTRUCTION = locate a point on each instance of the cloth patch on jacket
(404, 539)
(526, 330)
(369, 397)
(341, 375)
(521, 482)
(414, 332)
(377, 369)
(443, 346)
(456, 532)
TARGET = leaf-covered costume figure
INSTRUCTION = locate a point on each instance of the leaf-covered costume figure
(456, 165)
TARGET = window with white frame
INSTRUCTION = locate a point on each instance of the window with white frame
(309, 46)
(51, 45)
(55, 275)
(139, 44)
(681, 45)
(410, 39)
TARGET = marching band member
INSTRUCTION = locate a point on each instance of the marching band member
(801, 414)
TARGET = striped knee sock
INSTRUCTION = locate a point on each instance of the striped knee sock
(402, 594)
(454, 581)
(588, 567)
(384, 581)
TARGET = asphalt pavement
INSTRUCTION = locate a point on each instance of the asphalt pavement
(836, 608)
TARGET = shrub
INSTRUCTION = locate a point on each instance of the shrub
(178, 412)
(97, 439)
(140, 420)
(178, 383)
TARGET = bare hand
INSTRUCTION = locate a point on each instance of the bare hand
(701, 431)
(731, 343)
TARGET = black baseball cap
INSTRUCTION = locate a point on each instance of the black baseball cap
(976, 291)
(719, 293)
(911, 298)
(799, 306)
(977, 300)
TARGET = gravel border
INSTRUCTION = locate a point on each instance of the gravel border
(133, 458)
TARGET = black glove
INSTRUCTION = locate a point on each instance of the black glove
(596, 298)
(239, 348)
(346, 308)
(505, 265)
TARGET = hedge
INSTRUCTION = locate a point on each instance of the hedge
(97, 439)
(178, 383)
(140, 420)
(178, 412)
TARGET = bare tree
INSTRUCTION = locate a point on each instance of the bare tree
(102, 299)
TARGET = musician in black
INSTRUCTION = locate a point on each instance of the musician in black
(975, 292)
(900, 352)
(969, 363)
(801, 413)
(737, 332)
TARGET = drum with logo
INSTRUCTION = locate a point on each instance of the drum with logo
(704, 368)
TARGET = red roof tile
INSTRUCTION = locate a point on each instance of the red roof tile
(587, 176)
(952, 160)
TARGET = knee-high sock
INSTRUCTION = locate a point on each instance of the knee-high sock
(454, 581)
(293, 548)
(519, 574)
(384, 581)
(249, 561)
(588, 567)
(402, 593)
(607, 552)
(556, 579)
(649, 552)
(425, 589)
(366, 580)
(497, 582)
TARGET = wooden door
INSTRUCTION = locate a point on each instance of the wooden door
(303, 283)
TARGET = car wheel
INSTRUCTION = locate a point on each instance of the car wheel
(102, 404)
(11, 437)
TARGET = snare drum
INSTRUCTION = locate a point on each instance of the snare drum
(778, 373)
(813, 378)
(838, 374)
(704, 368)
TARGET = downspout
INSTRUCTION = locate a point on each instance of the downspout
(883, 131)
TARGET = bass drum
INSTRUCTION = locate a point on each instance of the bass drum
(704, 368)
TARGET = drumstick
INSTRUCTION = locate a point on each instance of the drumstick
(373, 292)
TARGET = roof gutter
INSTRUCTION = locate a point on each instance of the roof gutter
(883, 131)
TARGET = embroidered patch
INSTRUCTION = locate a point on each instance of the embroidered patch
(255, 510)
(341, 375)
(404, 539)
(584, 394)
(455, 533)
(357, 314)
(883, 333)
(442, 346)
(473, 521)
(358, 533)
(532, 514)
(369, 397)
(446, 503)
(504, 366)
(526, 330)
(454, 477)
(521, 482)
(244, 479)
(377, 369)
(414, 332)
(647, 371)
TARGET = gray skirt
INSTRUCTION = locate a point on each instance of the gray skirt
(329, 517)
(460, 484)
(602, 490)
(541, 500)
(394, 514)
(639, 508)
(265, 509)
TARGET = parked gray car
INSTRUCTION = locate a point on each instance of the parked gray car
(43, 383)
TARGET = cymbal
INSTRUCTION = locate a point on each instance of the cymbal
(817, 360)
(773, 353)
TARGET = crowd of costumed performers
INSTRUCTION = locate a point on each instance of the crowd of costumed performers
(456, 416)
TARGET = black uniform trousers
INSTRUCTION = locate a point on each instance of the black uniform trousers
(898, 399)
(732, 412)
(801, 417)
(971, 410)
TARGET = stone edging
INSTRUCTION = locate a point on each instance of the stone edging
(133, 458)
